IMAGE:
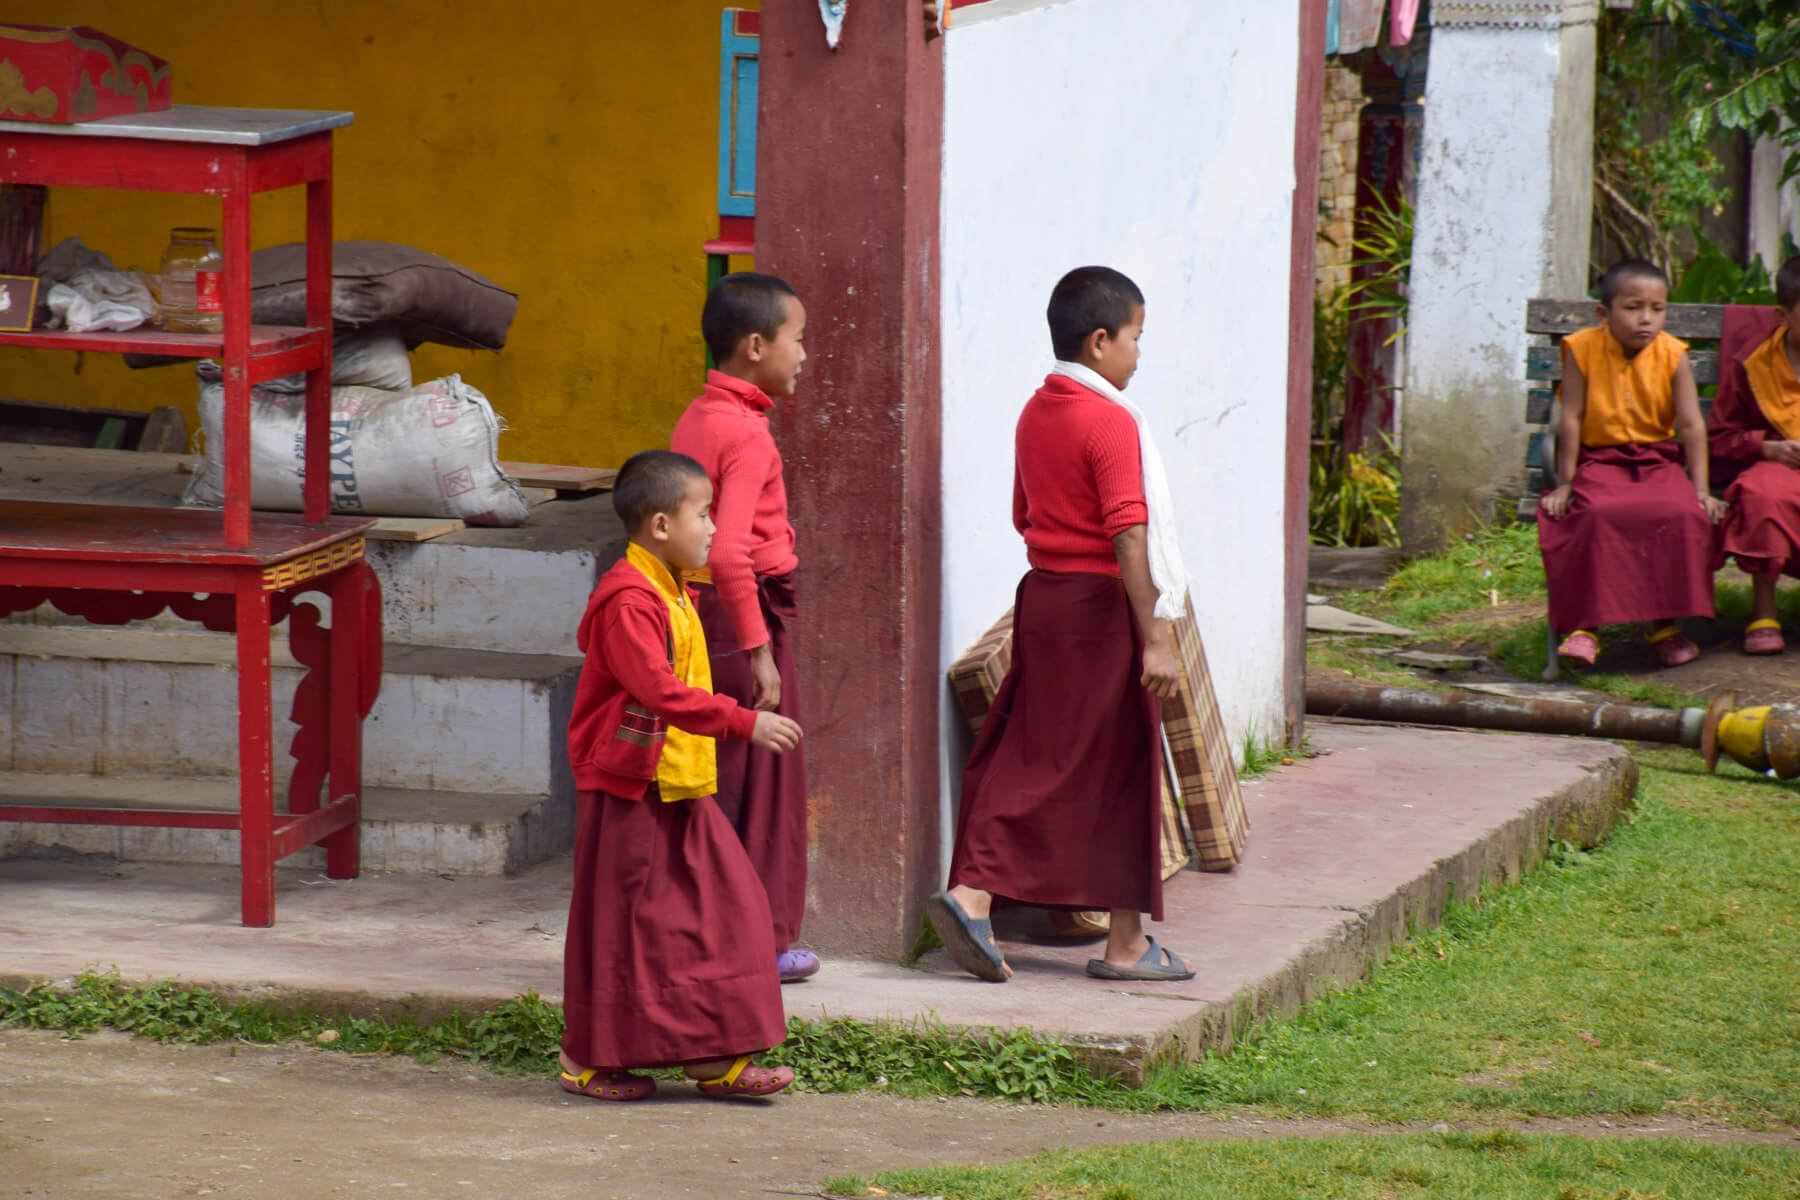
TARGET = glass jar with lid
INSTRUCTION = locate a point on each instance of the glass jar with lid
(193, 295)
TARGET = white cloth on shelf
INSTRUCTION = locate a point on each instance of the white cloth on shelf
(95, 298)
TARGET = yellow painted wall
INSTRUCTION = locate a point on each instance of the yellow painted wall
(566, 149)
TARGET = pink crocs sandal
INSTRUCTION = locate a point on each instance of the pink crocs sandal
(1764, 637)
(1672, 646)
(608, 1085)
(1580, 648)
(746, 1080)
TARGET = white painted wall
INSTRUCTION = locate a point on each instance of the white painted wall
(1502, 216)
(1154, 136)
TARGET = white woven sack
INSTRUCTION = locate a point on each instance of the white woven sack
(372, 357)
(426, 452)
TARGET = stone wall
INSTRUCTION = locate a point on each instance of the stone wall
(1337, 174)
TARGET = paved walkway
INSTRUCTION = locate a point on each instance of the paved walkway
(1346, 850)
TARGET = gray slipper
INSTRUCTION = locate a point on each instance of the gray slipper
(1158, 963)
(970, 942)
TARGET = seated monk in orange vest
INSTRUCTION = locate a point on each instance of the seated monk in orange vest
(1627, 536)
(1754, 432)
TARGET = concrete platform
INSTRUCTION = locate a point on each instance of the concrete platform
(1347, 851)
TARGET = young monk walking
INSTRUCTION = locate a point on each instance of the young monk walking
(753, 325)
(1754, 432)
(668, 960)
(1626, 535)
(1060, 798)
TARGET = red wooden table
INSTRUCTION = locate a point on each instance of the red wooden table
(242, 571)
(110, 565)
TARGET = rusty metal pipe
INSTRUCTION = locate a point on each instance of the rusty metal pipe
(1372, 702)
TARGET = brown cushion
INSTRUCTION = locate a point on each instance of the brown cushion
(429, 299)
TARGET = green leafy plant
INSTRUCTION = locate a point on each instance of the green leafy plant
(1383, 265)
(1713, 278)
(1331, 357)
(1673, 77)
(1355, 498)
(1742, 68)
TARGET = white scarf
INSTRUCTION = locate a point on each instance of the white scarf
(1161, 538)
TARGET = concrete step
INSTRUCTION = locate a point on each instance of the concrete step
(404, 830)
(91, 700)
(521, 590)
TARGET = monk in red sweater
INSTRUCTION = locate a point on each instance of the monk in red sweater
(1059, 803)
(753, 325)
(667, 961)
(1754, 433)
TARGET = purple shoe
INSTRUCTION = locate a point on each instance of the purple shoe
(796, 965)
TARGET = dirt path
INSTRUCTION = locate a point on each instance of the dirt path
(111, 1115)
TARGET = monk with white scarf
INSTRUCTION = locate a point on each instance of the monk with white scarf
(1060, 797)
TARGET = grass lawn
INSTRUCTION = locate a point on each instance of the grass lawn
(1655, 975)
(1485, 1166)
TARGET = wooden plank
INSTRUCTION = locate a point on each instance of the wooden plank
(563, 479)
(165, 431)
(535, 496)
(112, 432)
(1545, 362)
(1537, 406)
(413, 529)
(1566, 316)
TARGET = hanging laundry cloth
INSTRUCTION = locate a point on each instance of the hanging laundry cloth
(1331, 27)
(1359, 25)
(1404, 16)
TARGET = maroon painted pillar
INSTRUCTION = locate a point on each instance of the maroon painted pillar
(1387, 143)
(849, 149)
(1309, 110)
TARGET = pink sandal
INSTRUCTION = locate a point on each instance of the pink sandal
(1764, 637)
(745, 1080)
(1672, 646)
(608, 1085)
(1580, 648)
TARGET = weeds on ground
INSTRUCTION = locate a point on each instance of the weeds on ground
(1261, 757)
(519, 1037)
(523, 1036)
(1493, 564)
(1462, 1166)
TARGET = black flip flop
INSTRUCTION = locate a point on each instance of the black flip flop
(970, 942)
(1158, 963)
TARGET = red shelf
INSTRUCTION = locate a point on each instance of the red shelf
(52, 530)
(264, 340)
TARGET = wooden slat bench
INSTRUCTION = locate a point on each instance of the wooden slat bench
(1696, 324)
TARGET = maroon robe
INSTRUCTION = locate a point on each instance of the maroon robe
(763, 794)
(1762, 530)
(1635, 544)
(668, 959)
(1059, 802)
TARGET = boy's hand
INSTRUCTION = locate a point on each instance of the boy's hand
(765, 680)
(775, 732)
(1714, 508)
(1782, 451)
(1162, 671)
(1556, 503)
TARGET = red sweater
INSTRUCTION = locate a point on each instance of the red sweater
(628, 694)
(726, 429)
(1077, 479)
